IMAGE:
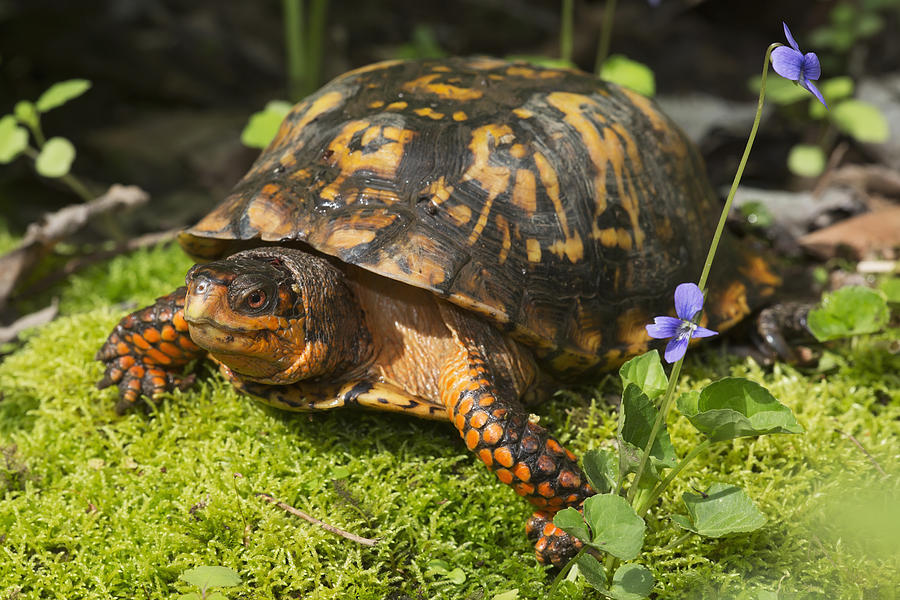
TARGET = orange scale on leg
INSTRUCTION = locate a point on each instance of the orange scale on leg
(460, 421)
(522, 472)
(478, 419)
(472, 439)
(504, 456)
(546, 490)
(524, 489)
(486, 457)
(504, 475)
(492, 433)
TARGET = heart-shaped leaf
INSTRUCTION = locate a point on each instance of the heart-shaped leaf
(207, 577)
(638, 414)
(593, 571)
(615, 527)
(631, 582)
(851, 310)
(263, 125)
(571, 521)
(724, 509)
(601, 467)
(646, 372)
(736, 407)
(55, 158)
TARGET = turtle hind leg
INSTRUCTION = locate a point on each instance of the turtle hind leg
(495, 426)
(146, 353)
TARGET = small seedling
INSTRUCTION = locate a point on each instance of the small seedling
(209, 577)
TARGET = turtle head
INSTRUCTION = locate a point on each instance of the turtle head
(275, 315)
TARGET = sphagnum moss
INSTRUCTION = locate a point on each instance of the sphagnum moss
(112, 506)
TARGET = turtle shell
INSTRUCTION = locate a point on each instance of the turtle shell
(563, 208)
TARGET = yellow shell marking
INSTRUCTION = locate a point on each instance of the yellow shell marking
(572, 247)
(323, 104)
(524, 191)
(383, 162)
(460, 116)
(533, 250)
(492, 179)
(441, 90)
(429, 112)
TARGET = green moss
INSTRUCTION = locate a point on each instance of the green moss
(96, 506)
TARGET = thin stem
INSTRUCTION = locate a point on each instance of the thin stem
(317, 14)
(740, 171)
(609, 14)
(676, 369)
(565, 33)
(642, 508)
(565, 570)
(293, 45)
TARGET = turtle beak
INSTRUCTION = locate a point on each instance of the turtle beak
(204, 299)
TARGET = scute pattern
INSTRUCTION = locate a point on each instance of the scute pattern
(563, 208)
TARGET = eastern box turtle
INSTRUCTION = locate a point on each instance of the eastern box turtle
(436, 238)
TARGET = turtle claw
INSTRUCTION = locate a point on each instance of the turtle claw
(147, 351)
(552, 546)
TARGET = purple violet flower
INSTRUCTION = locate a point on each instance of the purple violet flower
(688, 302)
(792, 64)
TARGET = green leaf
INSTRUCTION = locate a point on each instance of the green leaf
(456, 576)
(851, 310)
(636, 423)
(571, 521)
(736, 407)
(13, 139)
(602, 469)
(27, 114)
(55, 158)
(646, 372)
(207, 577)
(189, 596)
(60, 93)
(724, 509)
(216, 596)
(508, 595)
(631, 582)
(890, 287)
(615, 526)
(629, 73)
(593, 571)
(340, 472)
(806, 160)
(861, 120)
(263, 125)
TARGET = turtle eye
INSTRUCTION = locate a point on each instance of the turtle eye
(256, 299)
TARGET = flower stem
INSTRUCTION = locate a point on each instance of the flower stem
(740, 172)
(648, 500)
(609, 15)
(676, 368)
(565, 33)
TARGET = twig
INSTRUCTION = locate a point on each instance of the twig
(350, 536)
(43, 235)
(45, 315)
(76, 264)
(863, 450)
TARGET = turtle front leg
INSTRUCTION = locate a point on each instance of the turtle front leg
(521, 453)
(146, 352)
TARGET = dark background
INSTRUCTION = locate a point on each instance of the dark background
(175, 80)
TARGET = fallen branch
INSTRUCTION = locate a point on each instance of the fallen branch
(44, 234)
(350, 536)
(41, 317)
(76, 264)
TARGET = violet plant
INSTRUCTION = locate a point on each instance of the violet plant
(629, 482)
